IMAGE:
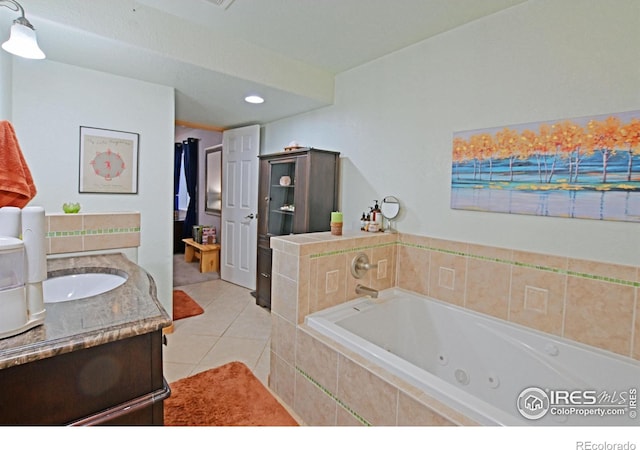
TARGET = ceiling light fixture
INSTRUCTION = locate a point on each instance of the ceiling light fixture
(255, 99)
(22, 41)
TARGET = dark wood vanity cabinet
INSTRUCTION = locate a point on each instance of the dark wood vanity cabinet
(118, 383)
(297, 192)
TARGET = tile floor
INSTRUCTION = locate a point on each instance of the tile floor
(232, 328)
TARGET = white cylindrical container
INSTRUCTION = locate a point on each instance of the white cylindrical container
(14, 312)
(34, 238)
(35, 301)
(13, 304)
(10, 219)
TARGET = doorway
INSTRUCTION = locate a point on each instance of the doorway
(207, 138)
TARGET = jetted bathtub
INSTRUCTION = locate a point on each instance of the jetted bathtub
(493, 371)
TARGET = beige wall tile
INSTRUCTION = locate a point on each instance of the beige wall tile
(415, 239)
(303, 288)
(538, 259)
(313, 286)
(599, 314)
(602, 269)
(286, 265)
(274, 332)
(413, 267)
(369, 396)
(115, 230)
(286, 340)
(312, 404)
(66, 244)
(488, 287)
(524, 311)
(67, 222)
(457, 264)
(317, 360)
(502, 254)
(346, 419)
(414, 413)
(451, 246)
(284, 298)
(107, 241)
(636, 342)
(335, 265)
(111, 220)
(384, 276)
(285, 380)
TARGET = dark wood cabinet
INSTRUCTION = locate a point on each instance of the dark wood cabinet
(119, 383)
(297, 192)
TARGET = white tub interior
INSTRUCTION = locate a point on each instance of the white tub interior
(472, 362)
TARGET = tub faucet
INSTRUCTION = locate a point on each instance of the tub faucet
(360, 264)
(360, 289)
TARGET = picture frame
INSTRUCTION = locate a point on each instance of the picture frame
(108, 161)
(213, 177)
(578, 168)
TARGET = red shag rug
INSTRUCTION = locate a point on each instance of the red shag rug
(184, 306)
(229, 395)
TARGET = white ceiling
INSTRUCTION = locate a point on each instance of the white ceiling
(288, 51)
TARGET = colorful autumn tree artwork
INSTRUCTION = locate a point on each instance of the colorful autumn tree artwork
(581, 168)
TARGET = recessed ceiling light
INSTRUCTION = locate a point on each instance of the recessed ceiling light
(254, 99)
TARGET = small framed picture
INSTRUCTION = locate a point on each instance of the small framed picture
(108, 161)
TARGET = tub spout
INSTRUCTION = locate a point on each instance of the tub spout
(360, 289)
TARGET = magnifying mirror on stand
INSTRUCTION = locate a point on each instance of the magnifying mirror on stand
(390, 209)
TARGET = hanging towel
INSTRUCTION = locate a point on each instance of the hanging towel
(16, 184)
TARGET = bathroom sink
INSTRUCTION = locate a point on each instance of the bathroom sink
(81, 285)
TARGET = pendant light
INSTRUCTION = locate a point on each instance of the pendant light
(22, 41)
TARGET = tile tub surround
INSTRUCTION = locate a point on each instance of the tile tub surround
(69, 233)
(129, 310)
(586, 301)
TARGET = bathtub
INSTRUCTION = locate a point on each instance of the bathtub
(490, 370)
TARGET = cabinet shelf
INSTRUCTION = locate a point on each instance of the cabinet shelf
(281, 186)
(279, 211)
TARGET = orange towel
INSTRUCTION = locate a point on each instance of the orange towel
(16, 184)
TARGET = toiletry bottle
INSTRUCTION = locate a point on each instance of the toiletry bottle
(377, 214)
(363, 221)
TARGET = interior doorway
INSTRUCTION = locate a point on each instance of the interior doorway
(207, 138)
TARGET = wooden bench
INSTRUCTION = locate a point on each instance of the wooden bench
(208, 254)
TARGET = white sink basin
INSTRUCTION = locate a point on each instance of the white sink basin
(77, 286)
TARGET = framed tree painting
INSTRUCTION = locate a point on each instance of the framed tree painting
(583, 168)
(108, 161)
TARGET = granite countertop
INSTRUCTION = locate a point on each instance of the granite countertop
(129, 310)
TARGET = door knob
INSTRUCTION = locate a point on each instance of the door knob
(250, 216)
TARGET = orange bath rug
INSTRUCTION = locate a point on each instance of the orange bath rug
(184, 306)
(229, 395)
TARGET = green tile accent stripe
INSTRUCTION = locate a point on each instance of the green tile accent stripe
(588, 276)
(101, 231)
(357, 416)
(352, 250)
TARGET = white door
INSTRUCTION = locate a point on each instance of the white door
(239, 240)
